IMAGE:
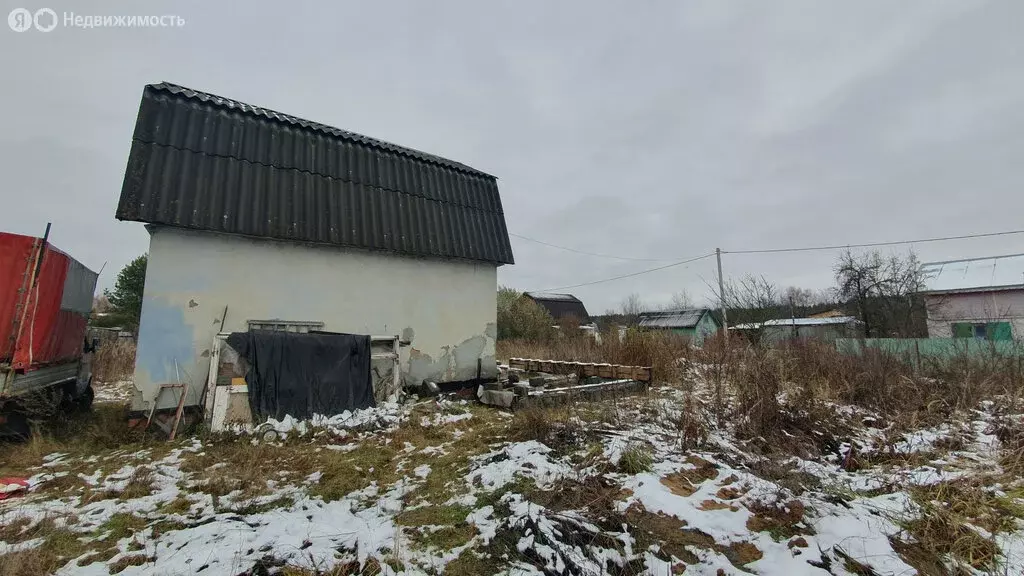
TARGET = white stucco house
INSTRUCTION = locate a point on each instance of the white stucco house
(261, 219)
(976, 298)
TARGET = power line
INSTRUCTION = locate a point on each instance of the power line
(872, 244)
(680, 263)
(761, 251)
(584, 252)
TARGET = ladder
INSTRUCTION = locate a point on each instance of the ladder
(162, 419)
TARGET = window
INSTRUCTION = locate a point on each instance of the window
(983, 330)
(285, 325)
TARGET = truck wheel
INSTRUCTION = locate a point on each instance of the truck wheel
(15, 426)
(84, 400)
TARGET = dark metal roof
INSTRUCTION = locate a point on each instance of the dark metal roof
(209, 163)
(560, 305)
(672, 319)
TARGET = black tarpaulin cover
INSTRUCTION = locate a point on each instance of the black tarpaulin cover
(305, 374)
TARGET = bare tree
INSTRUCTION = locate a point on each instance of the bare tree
(632, 306)
(681, 301)
(884, 291)
(799, 297)
(752, 293)
(752, 300)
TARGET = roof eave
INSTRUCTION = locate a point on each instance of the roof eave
(977, 289)
(152, 226)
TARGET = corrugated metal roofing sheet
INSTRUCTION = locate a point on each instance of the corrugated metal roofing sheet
(672, 319)
(209, 163)
(974, 273)
(797, 322)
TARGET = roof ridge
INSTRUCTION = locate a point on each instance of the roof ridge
(232, 104)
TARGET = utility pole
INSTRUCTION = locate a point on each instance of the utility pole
(721, 292)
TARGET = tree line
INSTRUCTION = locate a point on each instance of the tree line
(880, 290)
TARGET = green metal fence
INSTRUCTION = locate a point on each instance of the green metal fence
(932, 348)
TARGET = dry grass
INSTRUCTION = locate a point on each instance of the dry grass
(748, 382)
(674, 539)
(557, 426)
(60, 546)
(114, 361)
(758, 384)
(105, 428)
(636, 459)
(941, 526)
(139, 484)
(813, 377)
(893, 385)
(781, 520)
(125, 561)
(661, 351)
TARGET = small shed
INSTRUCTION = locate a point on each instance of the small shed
(697, 323)
(827, 329)
(560, 306)
(975, 298)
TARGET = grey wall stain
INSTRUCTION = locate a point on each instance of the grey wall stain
(408, 334)
(455, 363)
(466, 355)
(424, 367)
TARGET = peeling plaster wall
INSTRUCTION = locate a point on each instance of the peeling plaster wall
(445, 308)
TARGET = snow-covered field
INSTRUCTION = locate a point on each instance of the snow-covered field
(457, 488)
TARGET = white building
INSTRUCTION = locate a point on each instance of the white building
(976, 298)
(260, 219)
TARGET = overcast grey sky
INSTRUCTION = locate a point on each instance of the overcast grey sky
(644, 129)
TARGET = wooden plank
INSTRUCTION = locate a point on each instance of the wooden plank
(177, 413)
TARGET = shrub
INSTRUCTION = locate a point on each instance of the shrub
(520, 317)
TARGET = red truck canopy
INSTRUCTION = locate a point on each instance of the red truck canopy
(41, 322)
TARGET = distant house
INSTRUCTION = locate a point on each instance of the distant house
(698, 323)
(975, 298)
(560, 306)
(827, 329)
